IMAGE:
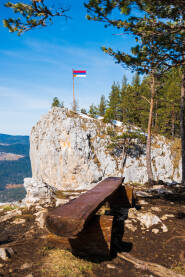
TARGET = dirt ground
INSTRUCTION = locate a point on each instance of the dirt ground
(34, 256)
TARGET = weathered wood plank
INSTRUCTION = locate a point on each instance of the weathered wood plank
(69, 219)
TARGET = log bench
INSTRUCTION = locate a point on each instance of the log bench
(77, 224)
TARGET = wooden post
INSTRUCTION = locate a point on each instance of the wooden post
(94, 240)
(73, 91)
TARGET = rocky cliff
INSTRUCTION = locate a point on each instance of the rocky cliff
(69, 151)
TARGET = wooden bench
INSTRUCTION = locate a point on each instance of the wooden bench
(77, 220)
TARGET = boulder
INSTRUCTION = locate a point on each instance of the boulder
(146, 220)
(70, 152)
(9, 215)
(6, 253)
(40, 217)
(38, 193)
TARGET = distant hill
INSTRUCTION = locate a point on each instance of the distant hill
(16, 148)
(9, 139)
(13, 171)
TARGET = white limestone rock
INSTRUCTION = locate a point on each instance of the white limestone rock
(69, 152)
(40, 217)
(146, 219)
(155, 231)
(6, 253)
(38, 192)
(9, 215)
(19, 221)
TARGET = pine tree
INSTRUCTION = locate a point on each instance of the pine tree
(83, 111)
(145, 58)
(37, 13)
(113, 111)
(93, 111)
(102, 106)
(169, 103)
(56, 102)
(128, 104)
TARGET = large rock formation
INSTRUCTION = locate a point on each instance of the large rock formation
(69, 151)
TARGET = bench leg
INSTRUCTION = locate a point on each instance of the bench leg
(94, 240)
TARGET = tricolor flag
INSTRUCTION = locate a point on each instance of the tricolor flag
(79, 73)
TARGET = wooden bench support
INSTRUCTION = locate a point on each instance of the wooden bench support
(94, 240)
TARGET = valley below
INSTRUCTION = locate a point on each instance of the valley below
(14, 167)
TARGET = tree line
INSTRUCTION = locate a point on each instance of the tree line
(130, 103)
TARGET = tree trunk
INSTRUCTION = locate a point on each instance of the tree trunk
(154, 268)
(182, 124)
(156, 115)
(148, 144)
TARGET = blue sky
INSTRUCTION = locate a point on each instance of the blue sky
(37, 66)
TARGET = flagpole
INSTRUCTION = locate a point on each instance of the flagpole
(73, 92)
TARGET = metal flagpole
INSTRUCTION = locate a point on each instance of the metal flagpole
(73, 91)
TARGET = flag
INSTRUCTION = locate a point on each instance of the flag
(79, 73)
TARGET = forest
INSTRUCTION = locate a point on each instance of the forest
(130, 103)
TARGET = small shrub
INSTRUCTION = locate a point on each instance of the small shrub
(8, 208)
(60, 194)
(111, 132)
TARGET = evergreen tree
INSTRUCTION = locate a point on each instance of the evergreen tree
(31, 15)
(93, 111)
(113, 111)
(147, 59)
(128, 104)
(83, 111)
(56, 102)
(169, 103)
(102, 106)
(145, 101)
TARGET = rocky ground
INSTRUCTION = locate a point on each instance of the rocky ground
(153, 240)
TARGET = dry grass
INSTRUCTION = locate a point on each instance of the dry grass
(176, 152)
(72, 114)
(61, 194)
(84, 126)
(61, 263)
(96, 160)
(155, 145)
(179, 268)
(7, 208)
(27, 217)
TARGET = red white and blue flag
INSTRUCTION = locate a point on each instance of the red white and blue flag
(79, 73)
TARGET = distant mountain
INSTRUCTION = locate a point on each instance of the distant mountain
(9, 139)
(13, 171)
